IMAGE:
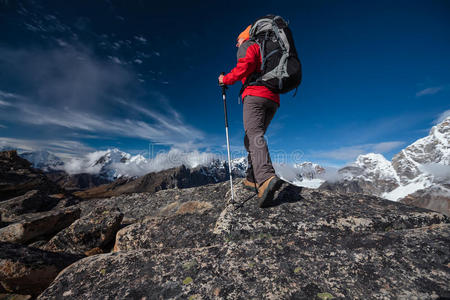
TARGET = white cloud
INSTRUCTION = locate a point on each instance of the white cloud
(84, 164)
(3, 126)
(141, 39)
(71, 76)
(442, 116)
(17, 143)
(439, 171)
(164, 129)
(4, 103)
(72, 90)
(138, 61)
(116, 60)
(386, 146)
(8, 95)
(429, 91)
(170, 124)
(62, 148)
(62, 43)
(167, 128)
(138, 165)
(165, 160)
(351, 152)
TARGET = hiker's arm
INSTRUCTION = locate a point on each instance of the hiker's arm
(245, 66)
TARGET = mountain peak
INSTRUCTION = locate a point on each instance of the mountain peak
(370, 158)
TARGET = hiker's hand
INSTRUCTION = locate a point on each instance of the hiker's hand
(221, 79)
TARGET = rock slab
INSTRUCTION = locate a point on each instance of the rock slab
(17, 177)
(30, 202)
(376, 266)
(37, 225)
(309, 245)
(29, 271)
(96, 230)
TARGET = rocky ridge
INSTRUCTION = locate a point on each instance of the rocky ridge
(311, 244)
(194, 243)
(18, 177)
(178, 177)
(32, 217)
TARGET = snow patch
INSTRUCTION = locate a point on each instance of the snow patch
(421, 182)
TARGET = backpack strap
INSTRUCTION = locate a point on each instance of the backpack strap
(251, 80)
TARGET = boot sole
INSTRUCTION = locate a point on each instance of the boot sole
(267, 197)
(250, 188)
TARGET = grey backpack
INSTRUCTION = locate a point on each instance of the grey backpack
(281, 70)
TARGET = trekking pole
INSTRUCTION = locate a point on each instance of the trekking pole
(224, 96)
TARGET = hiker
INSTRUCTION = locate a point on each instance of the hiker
(260, 105)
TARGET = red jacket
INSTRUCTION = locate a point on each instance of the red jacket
(249, 60)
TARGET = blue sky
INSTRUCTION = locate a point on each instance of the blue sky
(79, 76)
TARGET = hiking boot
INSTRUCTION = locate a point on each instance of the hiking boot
(248, 185)
(267, 189)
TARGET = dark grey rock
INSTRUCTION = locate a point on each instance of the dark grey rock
(76, 182)
(311, 244)
(17, 177)
(25, 270)
(38, 244)
(14, 297)
(315, 212)
(179, 177)
(191, 225)
(433, 198)
(96, 230)
(32, 201)
(361, 266)
(139, 206)
(31, 226)
(343, 186)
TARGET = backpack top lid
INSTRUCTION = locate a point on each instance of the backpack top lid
(266, 23)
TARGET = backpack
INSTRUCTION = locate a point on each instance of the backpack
(281, 70)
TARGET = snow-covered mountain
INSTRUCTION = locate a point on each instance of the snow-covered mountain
(113, 163)
(424, 164)
(372, 172)
(422, 168)
(218, 168)
(43, 160)
(306, 174)
(412, 161)
(309, 170)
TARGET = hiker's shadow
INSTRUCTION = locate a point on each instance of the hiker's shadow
(288, 193)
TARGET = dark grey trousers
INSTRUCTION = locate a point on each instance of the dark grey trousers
(258, 112)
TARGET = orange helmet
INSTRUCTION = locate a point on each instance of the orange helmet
(245, 34)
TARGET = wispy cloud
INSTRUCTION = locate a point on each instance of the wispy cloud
(74, 90)
(168, 123)
(442, 117)
(430, 91)
(168, 130)
(10, 96)
(4, 103)
(62, 148)
(351, 152)
(69, 76)
(386, 146)
(140, 39)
